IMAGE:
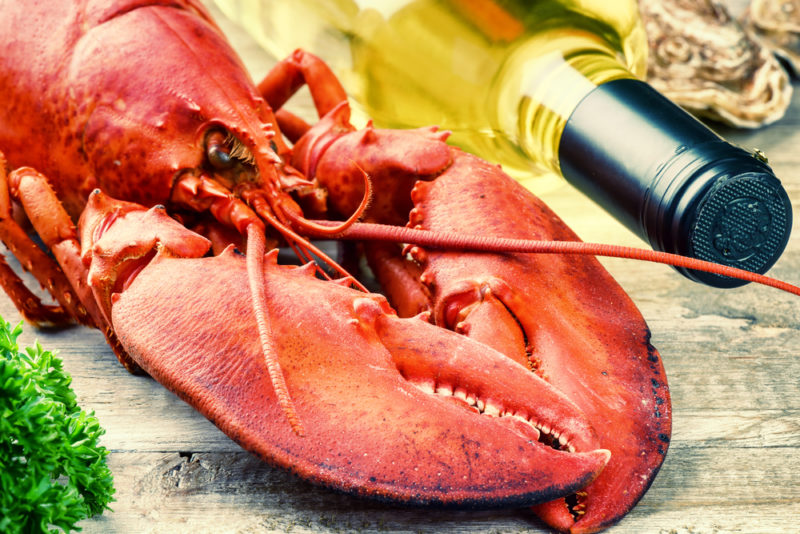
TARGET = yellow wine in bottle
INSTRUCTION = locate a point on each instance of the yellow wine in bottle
(546, 84)
(503, 77)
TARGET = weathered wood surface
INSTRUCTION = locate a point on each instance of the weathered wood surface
(733, 367)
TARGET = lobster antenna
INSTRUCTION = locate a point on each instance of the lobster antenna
(255, 270)
(454, 240)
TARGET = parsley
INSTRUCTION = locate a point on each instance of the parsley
(53, 473)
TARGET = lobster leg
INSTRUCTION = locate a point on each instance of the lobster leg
(58, 234)
(28, 303)
(33, 259)
(399, 279)
(298, 69)
(284, 80)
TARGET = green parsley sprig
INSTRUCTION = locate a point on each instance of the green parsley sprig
(53, 472)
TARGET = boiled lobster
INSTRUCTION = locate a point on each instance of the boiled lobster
(504, 378)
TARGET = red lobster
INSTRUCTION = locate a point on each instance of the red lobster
(549, 367)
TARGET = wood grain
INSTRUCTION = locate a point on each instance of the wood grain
(733, 367)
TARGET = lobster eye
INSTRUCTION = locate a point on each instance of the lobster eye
(217, 151)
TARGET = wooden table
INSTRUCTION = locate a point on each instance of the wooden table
(731, 358)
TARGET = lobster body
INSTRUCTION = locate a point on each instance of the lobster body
(549, 365)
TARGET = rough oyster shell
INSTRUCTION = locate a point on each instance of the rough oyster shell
(704, 60)
(777, 24)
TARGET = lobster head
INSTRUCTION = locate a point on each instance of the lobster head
(392, 408)
(216, 125)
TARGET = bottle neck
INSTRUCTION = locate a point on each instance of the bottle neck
(542, 82)
(673, 181)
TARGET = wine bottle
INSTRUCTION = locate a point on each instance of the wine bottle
(546, 85)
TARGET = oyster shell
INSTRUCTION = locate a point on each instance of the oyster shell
(704, 60)
(777, 24)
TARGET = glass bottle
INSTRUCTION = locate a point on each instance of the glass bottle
(546, 85)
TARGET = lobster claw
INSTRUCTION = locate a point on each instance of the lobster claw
(391, 407)
(562, 317)
(584, 333)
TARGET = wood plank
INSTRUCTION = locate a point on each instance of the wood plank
(710, 489)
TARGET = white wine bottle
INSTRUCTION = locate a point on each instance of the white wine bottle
(546, 84)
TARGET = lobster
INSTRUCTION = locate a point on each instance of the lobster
(498, 376)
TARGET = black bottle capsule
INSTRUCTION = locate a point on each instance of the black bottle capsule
(673, 181)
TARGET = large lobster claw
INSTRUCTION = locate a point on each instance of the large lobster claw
(562, 317)
(391, 407)
(576, 326)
